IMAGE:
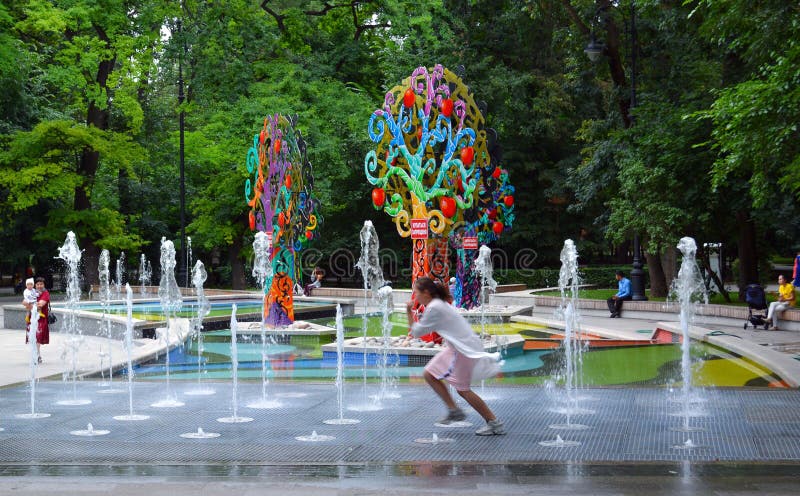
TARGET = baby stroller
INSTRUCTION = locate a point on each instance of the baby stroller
(756, 306)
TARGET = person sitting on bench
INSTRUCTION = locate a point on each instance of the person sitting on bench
(623, 293)
(316, 281)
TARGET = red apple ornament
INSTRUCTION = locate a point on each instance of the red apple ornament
(378, 197)
(467, 155)
(409, 98)
(447, 107)
(448, 206)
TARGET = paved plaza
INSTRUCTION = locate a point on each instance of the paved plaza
(635, 440)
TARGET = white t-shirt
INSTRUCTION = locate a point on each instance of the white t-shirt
(454, 328)
(30, 295)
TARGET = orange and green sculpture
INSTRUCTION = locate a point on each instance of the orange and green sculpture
(279, 192)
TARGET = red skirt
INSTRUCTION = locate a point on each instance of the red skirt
(43, 333)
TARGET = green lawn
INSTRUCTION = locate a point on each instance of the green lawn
(604, 294)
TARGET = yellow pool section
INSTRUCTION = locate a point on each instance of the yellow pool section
(733, 370)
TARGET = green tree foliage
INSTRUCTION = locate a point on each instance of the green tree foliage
(89, 117)
(659, 152)
(229, 101)
(755, 120)
(88, 64)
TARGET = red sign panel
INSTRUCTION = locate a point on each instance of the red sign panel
(419, 228)
(269, 239)
(471, 243)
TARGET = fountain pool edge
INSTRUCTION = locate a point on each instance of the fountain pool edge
(784, 366)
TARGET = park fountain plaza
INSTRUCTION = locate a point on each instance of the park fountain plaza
(636, 430)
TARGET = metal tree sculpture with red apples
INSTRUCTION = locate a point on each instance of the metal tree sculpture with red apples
(491, 214)
(431, 142)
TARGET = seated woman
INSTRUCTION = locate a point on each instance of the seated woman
(786, 299)
(316, 281)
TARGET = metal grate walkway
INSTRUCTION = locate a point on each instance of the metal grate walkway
(629, 425)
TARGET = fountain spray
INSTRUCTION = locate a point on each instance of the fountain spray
(568, 283)
(262, 271)
(145, 272)
(70, 253)
(171, 302)
(188, 258)
(235, 418)
(384, 297)
(120, 275)
(34, 357)
(485, 270)
(199, 276)
(690, 290)
(105, 301)
(340, 372)
(129, 352)
(369, 264)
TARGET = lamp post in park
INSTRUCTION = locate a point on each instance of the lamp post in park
(595, 51)
(183, 270)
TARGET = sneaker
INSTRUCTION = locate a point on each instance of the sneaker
(456, 415)
(492, 428)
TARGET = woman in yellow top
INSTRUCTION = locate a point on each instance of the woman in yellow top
(786, 299)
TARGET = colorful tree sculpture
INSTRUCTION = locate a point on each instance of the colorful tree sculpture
(279, 191)
(431, 143)
(491, 215)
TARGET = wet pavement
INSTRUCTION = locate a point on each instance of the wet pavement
(424, 478)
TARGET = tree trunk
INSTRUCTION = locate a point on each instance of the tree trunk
(91, 253)
(658, 282)
(237, 265)
(87, 168)
(669, 264)
(621, 253)
(126, 200)
(614, 59)
(748, 254)
(713, 275)
(90, 260)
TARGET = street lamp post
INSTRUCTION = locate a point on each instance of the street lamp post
(182, 269)
(637, 275)
(595, 51)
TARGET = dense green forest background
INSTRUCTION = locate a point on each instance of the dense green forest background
(709, 148)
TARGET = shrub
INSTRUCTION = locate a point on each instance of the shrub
(601, 277)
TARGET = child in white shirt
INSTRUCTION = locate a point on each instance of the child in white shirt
(30, 295)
